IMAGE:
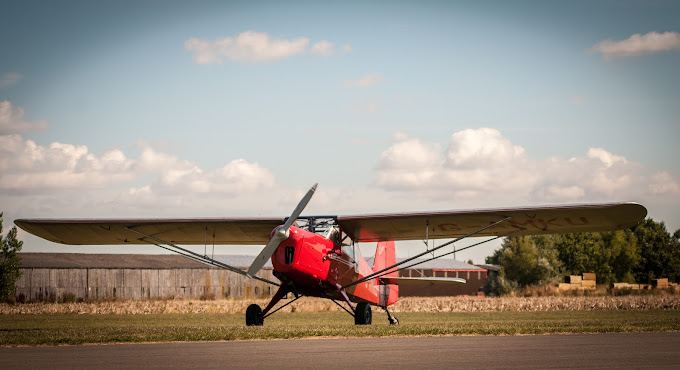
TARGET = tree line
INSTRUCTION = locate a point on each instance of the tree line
(9, 263)
(641, 254)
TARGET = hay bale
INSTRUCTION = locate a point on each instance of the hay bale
(572, 279)
(624, 286)
(588, 284)
(565, 286)
(660, 283)
(589, 276)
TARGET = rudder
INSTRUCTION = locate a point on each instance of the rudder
(385, 256)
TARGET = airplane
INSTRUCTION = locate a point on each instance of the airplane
(318, 256)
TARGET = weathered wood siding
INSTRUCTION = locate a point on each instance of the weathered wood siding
(53, 284)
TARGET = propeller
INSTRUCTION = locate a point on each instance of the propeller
(281, 234)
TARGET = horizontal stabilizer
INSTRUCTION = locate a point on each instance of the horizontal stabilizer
(422, 280)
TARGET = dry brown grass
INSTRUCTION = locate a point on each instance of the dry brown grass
(407, 304)
(476, 304)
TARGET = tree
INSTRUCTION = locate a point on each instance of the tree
(10, 263)
(659, 252)
(527, 260)
(611, 255)
(580, 252)
(624, 255)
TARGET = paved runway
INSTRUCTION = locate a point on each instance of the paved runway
(629, 350)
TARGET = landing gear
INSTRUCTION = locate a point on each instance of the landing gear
(393, 320)
(254, 315)
(362, 314)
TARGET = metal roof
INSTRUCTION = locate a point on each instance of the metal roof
(85, 260)
(440, 264)
(166, 261)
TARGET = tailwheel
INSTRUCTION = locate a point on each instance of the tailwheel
(393, 320)
(254, 315)
(363, 315)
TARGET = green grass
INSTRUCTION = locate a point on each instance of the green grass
(55, 329)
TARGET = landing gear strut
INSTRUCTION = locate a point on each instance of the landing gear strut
(393, 320)
(255, 315)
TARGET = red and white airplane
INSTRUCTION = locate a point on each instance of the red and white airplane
(318, 256)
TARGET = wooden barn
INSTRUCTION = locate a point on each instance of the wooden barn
(74, 276)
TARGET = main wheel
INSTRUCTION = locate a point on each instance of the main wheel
(363, 315)
(254, 315)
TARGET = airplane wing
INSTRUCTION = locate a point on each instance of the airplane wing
(241, 231)
(522, 221)
(421, 280)
(363, 228)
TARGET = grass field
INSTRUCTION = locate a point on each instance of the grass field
(57, 329)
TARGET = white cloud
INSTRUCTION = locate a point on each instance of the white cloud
(26, 167)
(649, 43)
(410, 154)
(368, 80)
(608, 159)
(248, 46)
(482, 168)
(346, 48)
(254, 47)
(323, 48)
(664, 184)
(9, 79)
(12, 120)
(481, 147)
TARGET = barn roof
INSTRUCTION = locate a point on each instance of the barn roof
(167, 261)
(85, 260)
(441, 264)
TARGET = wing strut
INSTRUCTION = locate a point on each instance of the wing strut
(194, 256)
(445, 254)
(391, 268)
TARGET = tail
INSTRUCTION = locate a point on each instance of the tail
(385, 256)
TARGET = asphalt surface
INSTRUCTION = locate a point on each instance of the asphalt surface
(628, 350)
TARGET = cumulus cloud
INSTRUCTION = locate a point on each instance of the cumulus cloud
(368, 80)
(481, 147)
(323, 48)
(12, 120)
(637, 44)
(482, 166)
(253, 47)
(9, 79)
(664, 183)
(26, 167)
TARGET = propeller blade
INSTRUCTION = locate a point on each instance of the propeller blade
(280, 235)
(300, 207)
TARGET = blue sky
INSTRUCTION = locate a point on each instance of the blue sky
(236, 108)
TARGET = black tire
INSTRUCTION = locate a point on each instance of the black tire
(363, 315)
(254, 315)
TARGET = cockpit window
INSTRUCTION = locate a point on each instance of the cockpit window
(347, 245)
(348, 250)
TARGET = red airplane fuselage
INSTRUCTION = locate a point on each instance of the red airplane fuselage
(317, 266)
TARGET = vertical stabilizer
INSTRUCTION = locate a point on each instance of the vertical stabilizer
(385, 256)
